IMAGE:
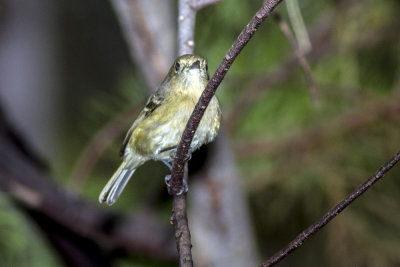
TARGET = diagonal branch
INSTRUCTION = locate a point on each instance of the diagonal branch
(184, 248)
(298, 241)
(243, 38)
(183, 237)
(186, 22)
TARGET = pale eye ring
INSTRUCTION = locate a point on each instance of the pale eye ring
(177, 67)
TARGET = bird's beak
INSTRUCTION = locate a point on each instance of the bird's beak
(195, 65)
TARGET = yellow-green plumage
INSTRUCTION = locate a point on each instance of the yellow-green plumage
(158, 129)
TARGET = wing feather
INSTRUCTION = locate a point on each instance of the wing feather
(152, 104)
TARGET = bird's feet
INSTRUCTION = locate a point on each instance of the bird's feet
(168, 165)
(184, 188)
(172, 154)
(167, 180)
(188, 156)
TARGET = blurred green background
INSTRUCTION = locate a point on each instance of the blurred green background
(296, 159)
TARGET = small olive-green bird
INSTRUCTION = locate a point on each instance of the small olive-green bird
(158, 129)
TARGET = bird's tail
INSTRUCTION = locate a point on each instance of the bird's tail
(116, 184)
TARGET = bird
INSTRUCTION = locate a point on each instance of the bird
(157, 131)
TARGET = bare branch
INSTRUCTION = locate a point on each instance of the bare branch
(184, 47)
(183, 148)
(299, 240)
(186, 22)
(243, 38)
(236, 230)
(299, 55)
(182, 233)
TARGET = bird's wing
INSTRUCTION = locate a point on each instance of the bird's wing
(152, 104)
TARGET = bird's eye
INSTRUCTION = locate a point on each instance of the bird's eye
(177, 67)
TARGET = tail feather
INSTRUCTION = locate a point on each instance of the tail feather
(116, 184)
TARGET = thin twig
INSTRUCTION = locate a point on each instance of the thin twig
(299, 55)
(183, 234)
(298, 241)
(181, 227)
(225, 217)
(180, 222)
(186, 22)
(243, 38)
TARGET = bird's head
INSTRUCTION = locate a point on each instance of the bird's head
(188, 72)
